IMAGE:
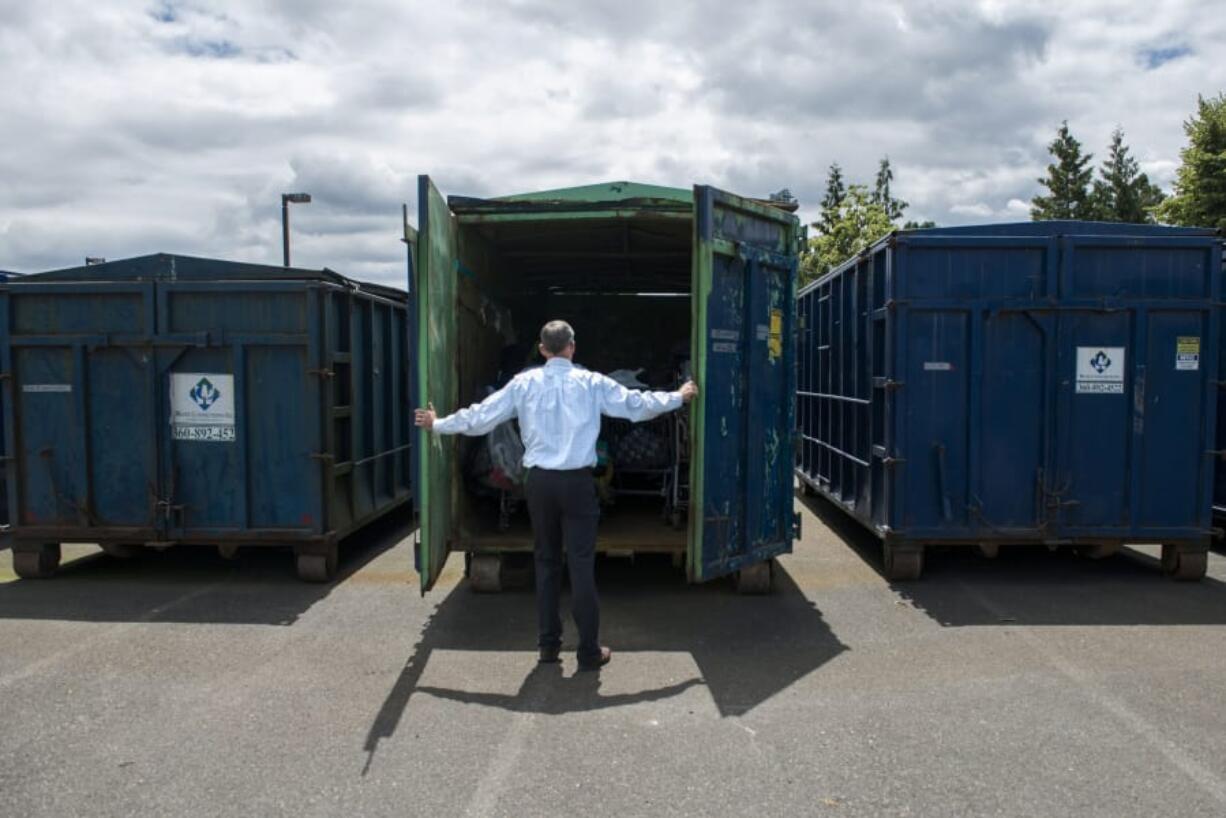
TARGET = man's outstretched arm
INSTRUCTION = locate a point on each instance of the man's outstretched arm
(476, 420)
(619, 402)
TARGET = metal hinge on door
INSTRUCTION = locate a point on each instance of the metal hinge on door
(168, 511)
(888, 384)
(885, 457)
(1053, 501)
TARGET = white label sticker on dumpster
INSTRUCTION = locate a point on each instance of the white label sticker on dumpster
(202, 406)
(46, 387)
(1100, 370)
(1187, 353)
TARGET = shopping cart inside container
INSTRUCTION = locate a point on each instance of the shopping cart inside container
(644, 459)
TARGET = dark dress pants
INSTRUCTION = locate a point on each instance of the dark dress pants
(565, 511)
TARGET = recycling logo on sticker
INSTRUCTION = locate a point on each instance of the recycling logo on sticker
(202, 407)
(1187, 353)
(204, 394)
(1100, 370)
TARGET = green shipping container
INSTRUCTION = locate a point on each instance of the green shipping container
(664, 279)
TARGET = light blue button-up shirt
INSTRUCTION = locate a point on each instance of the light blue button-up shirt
(559, 407)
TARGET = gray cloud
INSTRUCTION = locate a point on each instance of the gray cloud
(133, 126)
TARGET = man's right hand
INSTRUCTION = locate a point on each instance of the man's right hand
(689, 390)
(425, 417)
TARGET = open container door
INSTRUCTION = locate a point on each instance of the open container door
(436, 355)
(744, 285)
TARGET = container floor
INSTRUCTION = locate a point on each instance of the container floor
(633, 524)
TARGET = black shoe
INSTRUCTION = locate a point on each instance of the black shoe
(548, 656)
(605, 657)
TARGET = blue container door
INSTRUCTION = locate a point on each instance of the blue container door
(744, 298)
(80, 406)
(975, 421)
(240, 424)
(935, 370)
(1097, 371)
(1171, 394)
(1015, 395)
(1112, 475)
(201, 470)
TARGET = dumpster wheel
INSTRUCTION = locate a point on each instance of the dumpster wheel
(120, 550)
(1184, 565)
(485, 573)
(318, 567)
(677, 519)
(36, 562)
(902, 564)
(755, 579)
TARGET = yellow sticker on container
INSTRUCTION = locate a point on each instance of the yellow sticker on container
(1187, 353)
(774, 343)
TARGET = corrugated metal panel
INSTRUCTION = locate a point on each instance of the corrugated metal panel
(1000, 385)
(149, 406)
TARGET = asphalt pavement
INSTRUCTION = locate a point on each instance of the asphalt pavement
(1037, 683)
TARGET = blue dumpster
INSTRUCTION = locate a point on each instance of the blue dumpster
(172, 400)
(1050, 382)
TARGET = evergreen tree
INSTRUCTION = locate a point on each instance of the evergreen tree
(1199, 199)
(894, 208)
(1067, 182)
(833, 200)
(1123, 193)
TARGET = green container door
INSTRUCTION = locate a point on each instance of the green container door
(437, 348)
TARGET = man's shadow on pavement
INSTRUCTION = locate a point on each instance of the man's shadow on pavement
(547, 691)
(747, 648)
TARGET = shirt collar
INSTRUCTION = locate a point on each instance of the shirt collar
(559, 363)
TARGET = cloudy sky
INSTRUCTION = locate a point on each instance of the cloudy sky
(136, 127)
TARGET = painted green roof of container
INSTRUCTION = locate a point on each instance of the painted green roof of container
(612, 197)
(605, 192)
(615, 199)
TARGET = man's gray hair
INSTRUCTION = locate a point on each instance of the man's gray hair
(556, 336)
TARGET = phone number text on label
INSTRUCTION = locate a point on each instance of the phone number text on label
(212, 434)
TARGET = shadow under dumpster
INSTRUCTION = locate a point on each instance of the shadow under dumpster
(746, 648)
(1031, 585)
(192, 584)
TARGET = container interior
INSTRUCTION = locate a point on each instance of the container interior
(624, 285)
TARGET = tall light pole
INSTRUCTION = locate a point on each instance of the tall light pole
(286, 198)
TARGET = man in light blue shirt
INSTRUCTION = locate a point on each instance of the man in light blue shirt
(559, 407)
